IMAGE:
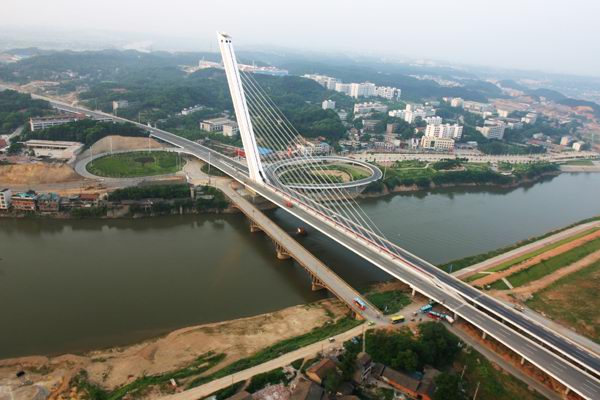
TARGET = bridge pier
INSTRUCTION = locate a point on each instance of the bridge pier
(254, 227)
(483, 335)
(316, 284)
(414, 291)
(522, 360)
(282, 253)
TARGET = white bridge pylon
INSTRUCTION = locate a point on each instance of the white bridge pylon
(255, 169)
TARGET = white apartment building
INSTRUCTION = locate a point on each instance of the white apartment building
(328, 105)
(5, 196)
(116, 104)
(578, 146)
(397, 113)
(441, 144)
(219, 125)
(444, 131)
(310, 148)
(365, 89)
(530, 118)
(323, 80)
(46, 122)
(503, 113)
(456, 102)
(365, 108)
(343, 114)
(492, 129)
(433, 120)
(387, 92)
(342, 88)
(476, 107)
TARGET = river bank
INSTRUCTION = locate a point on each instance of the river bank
(114, 367)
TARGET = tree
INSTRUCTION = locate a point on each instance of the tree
(449, 387)
(332, 381)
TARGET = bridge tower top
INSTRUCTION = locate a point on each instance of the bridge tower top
(240, 106)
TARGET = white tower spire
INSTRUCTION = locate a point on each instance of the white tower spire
(238, 97)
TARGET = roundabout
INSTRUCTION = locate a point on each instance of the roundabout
(324, 174)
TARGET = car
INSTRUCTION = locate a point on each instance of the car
(331, 340)
(371, 323)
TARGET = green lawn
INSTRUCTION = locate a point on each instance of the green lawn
(135, 164)
(394, 300)
(553, 264)
(573, 301)
(580, 162)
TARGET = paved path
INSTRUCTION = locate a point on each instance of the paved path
(286, 359)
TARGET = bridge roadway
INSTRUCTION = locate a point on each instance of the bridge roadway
(326, 277)
(552, 353)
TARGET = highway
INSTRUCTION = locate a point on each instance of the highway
(552, 353)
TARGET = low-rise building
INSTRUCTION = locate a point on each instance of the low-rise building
(24, 201)
(48, 202)
(218, 125)
(39, 123)
(578, 146)
(319, 371)
(369, 125)
(343, 114)
(5, 199)
(60, 150)
(364, 365)
(190, 110)
(366, 108)
(417, 386)
(456, 102)
(503, 113)
(242, 395)
(116, 104)
(434, 143)
(566, 140)
(307, 390)
(328, 105)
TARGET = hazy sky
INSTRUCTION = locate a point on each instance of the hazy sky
(551, 35)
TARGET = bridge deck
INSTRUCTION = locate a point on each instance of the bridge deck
(306, 259)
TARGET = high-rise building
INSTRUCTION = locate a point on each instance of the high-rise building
(433, 120)
(342, 87)
(446, 131)
(387, 92)
(492, 129)
(365, 89)
(5, 196)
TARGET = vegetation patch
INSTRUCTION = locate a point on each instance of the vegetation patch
(573, 301)
(280, 348)
(553, 264)
(127, 165)
(389, 302)
(472, 260)
(260, 381)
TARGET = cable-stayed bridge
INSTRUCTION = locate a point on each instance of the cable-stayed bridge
(337, 215)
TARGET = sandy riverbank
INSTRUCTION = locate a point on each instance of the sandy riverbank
(114, 367)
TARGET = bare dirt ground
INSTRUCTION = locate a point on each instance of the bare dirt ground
(125, 143)
(32, 174)
(525, 291)
(115, 367)
(488, 279)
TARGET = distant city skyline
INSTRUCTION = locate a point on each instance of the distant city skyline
(541, 35)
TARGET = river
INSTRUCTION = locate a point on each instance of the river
(71, 286)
